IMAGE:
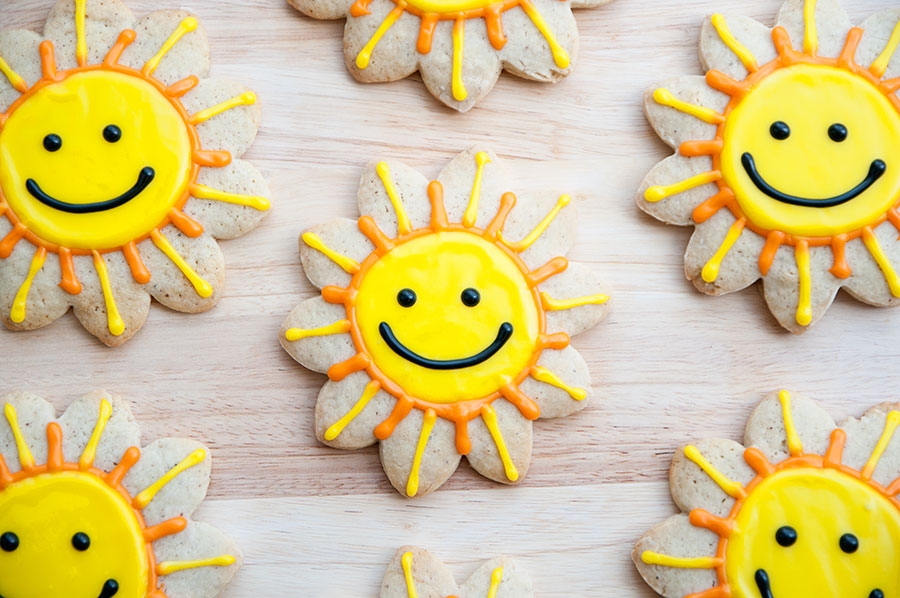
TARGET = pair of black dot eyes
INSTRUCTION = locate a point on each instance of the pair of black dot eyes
(470, 297)
(781, 131)
(9, 541)
(53, 142)
(787, 536)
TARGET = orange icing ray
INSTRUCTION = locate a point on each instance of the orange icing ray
(179, 88)
(548, 270)
(131, 456)
(708, 208)
(719, 525)
(11, 239)
(557, 340)
(133, 257)
(212, 158)
(507, 203)
(438, 212)
(68, 281)
(360, 8)
(381, 241)
(125, 39)
(706, 147)
(54, 447)
(339, 371)
(185, 223)
(841, 268)
(426, 33)
(401, 410)
(166, 528)
(525, 404)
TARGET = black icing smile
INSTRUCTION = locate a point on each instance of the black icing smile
(397, 347)
(110, 588)
(876, 170)
(145, 177)
(762, 582)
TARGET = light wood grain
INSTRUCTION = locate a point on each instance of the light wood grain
(669, 364)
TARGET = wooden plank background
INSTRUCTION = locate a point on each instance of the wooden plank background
(669, 364)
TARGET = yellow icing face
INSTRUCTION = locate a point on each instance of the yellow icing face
(814, 532)
(812, 151)
(94, 161)
(448, 316)
(68, 534)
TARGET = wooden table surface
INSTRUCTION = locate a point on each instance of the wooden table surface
(669, 364)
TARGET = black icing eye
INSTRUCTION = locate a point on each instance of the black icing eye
(471, 297)
(406, 297)
(9, 541)
(849, 543)
(837, 132)
(112, 133)
(81, 541)
(876, 594)
(786, 536)
(780, 130)
(52, 142)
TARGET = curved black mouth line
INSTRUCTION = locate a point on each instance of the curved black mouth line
(506, 330)
(110, 588)
(762, 582)
(145, 177)
(876, 170)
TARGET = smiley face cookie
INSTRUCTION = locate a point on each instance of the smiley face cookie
(444, 321)
(808, 509)
(85, 513)
(460, 46)
(786, 161)
(119, 167)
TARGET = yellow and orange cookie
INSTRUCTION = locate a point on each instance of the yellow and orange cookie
(119, 168)
(444, 321)
(787, 159)
(806, 509)
(459, 46)
(416, 573)
(84, 511)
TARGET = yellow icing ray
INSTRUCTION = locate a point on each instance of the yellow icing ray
(143, 499)
(81, 42)
(186, 26)
(490, 419)
(203, 288)
(384, 173)
(295, 334)
(678, 562)
(793, 439)
(660, 192)
(17, 313)
(113, 319)
(167, 567)
(664, 97)
(459, 90)
(349, 266)
(711, 270)
(412, 485)
(804, 305)
(362, 59)
(733, 44)
(204, 192)
(496, 578)
(729, 487)
(90, 451)
(551, 304)
(542, 374)
(245, 99)
(880, 64)
(881, 258)
(890, 426)
(25, 457)
(406, 561)
(371, 389)
(560, 56)
(471, 215)
(12, 76)
(811, 36)
(528, 241)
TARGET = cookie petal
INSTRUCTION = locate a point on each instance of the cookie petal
(189, 56)
(232, 130)
(31, 414)
(868, 282)
(394, 56)
(348, 411)
(317, 352)
(118, 429)
(561, 384)
(429, 575)
(330, 252)
(677, 537)
(677, 208)
(463, 187)
(528, 53)
(674, 126)
(782, 291)
(861, 449)
(831, 24)
(766, 428)
(734, 270)
(747, 40)
(244, 204)
(383, 179)
(199, 541)
(877, 30)
(578, 283)
(44, 301)
(19, 48)
(514, 582)
(511, 437)
(437, 461)
(323, 9)
(693, 487)
(104, 20)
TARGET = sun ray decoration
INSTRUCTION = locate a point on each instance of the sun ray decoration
(759, 179)
(35, 484)
(747, 561)
(84, 226)
(455, 389)
(412, 563)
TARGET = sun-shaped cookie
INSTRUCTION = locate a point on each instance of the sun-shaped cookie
(120, 164)
(787, 159)
(444, 321)
(85, 513)
(460, 46)
(808, 509)
(416, 573)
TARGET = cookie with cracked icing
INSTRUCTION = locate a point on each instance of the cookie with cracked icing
(416, 573)
(459, 46)
(86, 512)
(119, 168)
(802, 508)
(444, 321)
(786, 159)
